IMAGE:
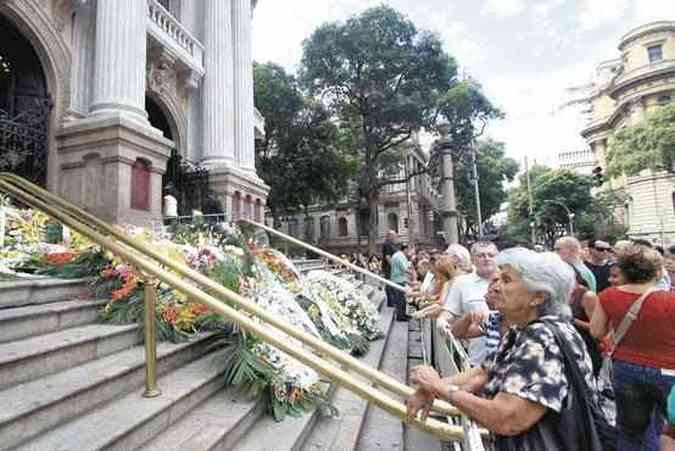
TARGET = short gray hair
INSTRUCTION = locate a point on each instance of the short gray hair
(462, 255)
(482, 245)
(545, 272)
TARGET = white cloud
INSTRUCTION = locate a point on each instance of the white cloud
(503, 8)
(598, 13)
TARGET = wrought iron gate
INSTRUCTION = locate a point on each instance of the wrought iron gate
(24, 141)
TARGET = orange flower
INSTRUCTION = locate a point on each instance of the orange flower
(129, 286)
(170, 315)
(198, 309)
(60, 258)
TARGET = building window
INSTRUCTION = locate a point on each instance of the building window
(293, 227)
(324, 228)
(140, 185)
(248, 207)
(343, 227)
(258, 210)
(655, 53)
(309, 229)
(664, 99)
(236, 206)
(392, 222)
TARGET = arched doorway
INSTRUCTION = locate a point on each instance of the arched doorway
(185, 181)
(24, 107)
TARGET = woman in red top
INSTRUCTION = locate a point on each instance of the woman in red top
(644, 360)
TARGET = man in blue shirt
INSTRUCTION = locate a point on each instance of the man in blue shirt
(400, 266)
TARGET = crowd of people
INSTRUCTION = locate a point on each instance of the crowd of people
(553, 338)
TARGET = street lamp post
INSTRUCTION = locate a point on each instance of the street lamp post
(570, 215)
(479, 215)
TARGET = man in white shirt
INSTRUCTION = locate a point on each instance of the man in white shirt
(468, 294)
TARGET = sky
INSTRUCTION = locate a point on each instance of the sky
(525, 53)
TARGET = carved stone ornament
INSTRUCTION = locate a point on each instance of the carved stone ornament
(161, 73)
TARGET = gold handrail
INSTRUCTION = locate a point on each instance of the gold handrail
(142, 262)
(323, 253)
(381, 379)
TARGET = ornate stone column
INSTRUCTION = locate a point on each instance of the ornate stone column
(244, 143)
(217, 98)
(120, 59)
(83, 56)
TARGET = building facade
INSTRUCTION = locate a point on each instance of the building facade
(98, 96)
(625, 91)
(407, 208)
(579, 161)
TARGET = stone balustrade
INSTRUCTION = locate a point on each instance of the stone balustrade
(166, 29)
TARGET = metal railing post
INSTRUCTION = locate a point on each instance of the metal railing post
(150, 338)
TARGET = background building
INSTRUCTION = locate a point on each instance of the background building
(405, 208)
(625, 90)
(98, 98)
(579, 161)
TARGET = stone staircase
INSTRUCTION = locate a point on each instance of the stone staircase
(68, 383)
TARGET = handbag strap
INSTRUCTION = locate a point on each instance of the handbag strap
(575, 378)
(629, 318)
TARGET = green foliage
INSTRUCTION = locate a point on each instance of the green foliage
(88, 264)
(300, 156)
(494, 168)
(383, 78)
(466, 107)
(647, 145)
(254, 377)
(549, 189)
(226, 274)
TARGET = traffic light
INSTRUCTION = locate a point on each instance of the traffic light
(598, 177)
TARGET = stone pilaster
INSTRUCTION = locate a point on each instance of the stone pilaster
(243, 85)
(83, 57)
(120, 59)
(217, 90)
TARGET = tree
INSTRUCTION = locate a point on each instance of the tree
(383, 78)
(551, 189)
(647, 145)
(299, 156)
(493, 170)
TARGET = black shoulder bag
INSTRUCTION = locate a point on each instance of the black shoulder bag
(580, 424)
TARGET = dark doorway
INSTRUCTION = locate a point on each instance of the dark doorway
(188, 182)
(24, 107)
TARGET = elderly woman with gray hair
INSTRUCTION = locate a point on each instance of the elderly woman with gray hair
(540, 381)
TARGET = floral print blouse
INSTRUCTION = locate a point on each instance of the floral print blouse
(529, 363)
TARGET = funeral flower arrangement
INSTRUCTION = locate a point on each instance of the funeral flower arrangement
(320, 303)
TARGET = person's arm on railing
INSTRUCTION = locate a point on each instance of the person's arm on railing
(469, 325)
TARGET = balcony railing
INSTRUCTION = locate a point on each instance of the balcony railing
(166, 29)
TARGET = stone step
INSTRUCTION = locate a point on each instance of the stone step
(37, 406)
(42, 291)
(31, 358)
(342, 433)
(216, 424)
(32, 320)
(131, 421)
(380, 429)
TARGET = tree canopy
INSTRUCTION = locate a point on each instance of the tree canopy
(551, 189)
(647, 145)
(494, 168)
(383, 78)
(300, 156)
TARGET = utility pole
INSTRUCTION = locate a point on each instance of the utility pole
(531, 201)
(408, 195)
(448, 204)
(479, 215)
